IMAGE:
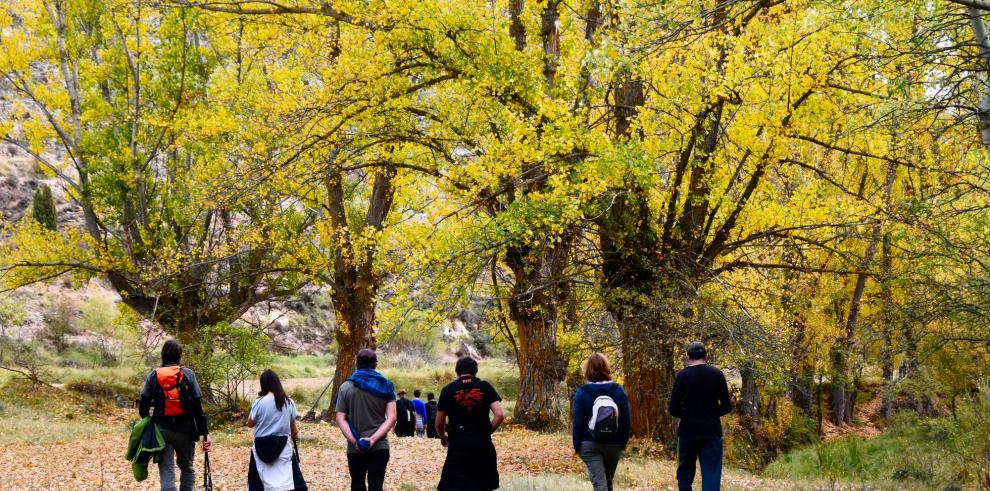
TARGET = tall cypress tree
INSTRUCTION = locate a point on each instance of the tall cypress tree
(44, 208)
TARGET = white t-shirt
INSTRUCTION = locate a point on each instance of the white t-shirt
(270, 421)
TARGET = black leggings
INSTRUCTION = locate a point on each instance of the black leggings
(370, 466)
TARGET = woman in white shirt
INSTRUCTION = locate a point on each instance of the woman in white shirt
(273, 417)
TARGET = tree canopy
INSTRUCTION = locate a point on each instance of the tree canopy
(800, 183)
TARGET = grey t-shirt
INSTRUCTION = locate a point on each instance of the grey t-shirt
(366, 411)
(268, 420)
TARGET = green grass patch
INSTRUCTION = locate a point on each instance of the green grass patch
(911, 454)
(304, 366)
(546, 482)
(30, 425)
(42, 415)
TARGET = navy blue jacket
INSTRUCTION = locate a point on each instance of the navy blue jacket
(584, 399)
(699, 398)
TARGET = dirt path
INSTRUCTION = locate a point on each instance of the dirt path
(97, 462)
(526, 460)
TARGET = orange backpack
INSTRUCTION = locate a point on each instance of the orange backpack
(169, 379)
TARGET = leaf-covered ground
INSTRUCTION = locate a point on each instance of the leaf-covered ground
(93, 461)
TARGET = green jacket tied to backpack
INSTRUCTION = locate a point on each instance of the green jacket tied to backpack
(146, 444)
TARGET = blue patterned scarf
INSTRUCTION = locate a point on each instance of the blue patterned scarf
(373, 383)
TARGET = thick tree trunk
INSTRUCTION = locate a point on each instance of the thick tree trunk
(537, 293)
(648, 367)
(355, 283)
(538, 289)
(355, 311)
(541, 370)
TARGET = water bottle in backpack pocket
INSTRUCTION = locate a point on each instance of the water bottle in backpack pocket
(604, 422)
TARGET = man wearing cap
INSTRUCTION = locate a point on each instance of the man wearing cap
(699, 398)
(365, 414)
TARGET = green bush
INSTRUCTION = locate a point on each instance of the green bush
(416, 338)
(801, 431)
(115, 327)
(12, 312)
(78, 356)
(60, 322)
(224, 356)
(43, 208)
(942, 453)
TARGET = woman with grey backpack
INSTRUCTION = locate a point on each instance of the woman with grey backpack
(601, 422)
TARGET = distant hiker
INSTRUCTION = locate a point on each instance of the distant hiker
(178, 414)
(273, 464)
(431, 416)
(365, 414)
(466, 431)
(405, 425)
(420, 408)
(699, 398)
(601, 422)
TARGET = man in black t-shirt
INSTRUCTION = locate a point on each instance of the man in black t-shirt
(465, 429)
(699, 398)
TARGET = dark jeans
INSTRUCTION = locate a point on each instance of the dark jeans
(602, 461)
(180, 447)
(707, 449)
(367, 466)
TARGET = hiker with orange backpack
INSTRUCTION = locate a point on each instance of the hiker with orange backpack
(176, 397)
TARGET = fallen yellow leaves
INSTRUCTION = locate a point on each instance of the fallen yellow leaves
(97, 463)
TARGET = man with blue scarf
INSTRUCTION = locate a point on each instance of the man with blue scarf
(365, 414)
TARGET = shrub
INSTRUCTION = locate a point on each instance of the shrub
(224, 356)
(970, 434)
(43, 208)
(28, 360)
(80, 356)
(416, 338)
(60, 322)
(115, 327)
(933, 453)
(802, 431)
(12, 312)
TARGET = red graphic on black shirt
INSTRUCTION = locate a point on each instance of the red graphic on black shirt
(469, 399)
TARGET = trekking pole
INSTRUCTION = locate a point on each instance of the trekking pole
(207, 477)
